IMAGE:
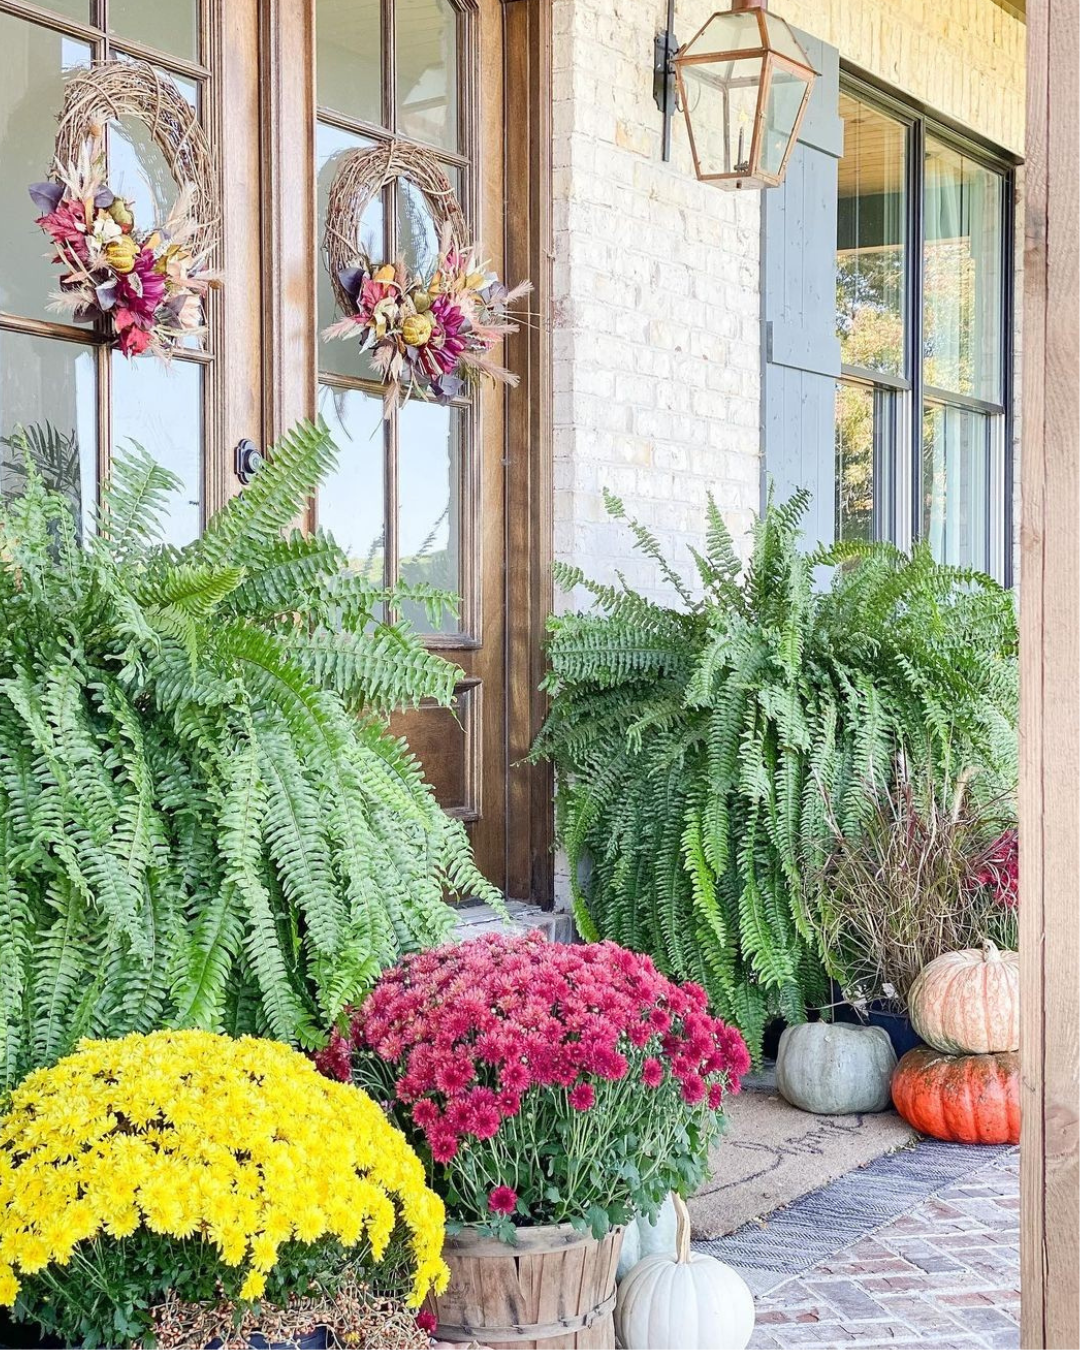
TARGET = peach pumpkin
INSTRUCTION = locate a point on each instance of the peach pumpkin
(968, 1002)
(964, 1099)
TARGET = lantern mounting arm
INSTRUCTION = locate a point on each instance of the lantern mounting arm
(665, 49)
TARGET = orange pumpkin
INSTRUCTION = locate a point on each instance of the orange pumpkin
(968, 1002)
(964, 1099)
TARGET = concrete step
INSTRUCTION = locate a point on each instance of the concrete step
(477, 919)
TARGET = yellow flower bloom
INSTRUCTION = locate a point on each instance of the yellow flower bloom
(253, 1286)
(9, 1287)
(263, 1252)
(189, 1133)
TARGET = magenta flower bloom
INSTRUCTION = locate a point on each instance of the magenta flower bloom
(502, 1200)
(485, 1045)
(652, 1073)
(583, 1097)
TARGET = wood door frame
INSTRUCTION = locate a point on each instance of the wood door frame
(289, 347)
(529, 481)
(1050, 678)
(287, 65)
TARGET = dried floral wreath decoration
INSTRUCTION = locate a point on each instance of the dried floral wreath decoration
(430, 334)
(145, 287)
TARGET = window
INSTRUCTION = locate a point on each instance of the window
(63, 393)
(399, 500)
(922, 318)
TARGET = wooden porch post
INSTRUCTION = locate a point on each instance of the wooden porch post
(1050, 685)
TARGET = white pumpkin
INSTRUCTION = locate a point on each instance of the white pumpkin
(688, 1301)
(642, 1238)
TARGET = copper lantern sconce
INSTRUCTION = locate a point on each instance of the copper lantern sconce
(743, 82)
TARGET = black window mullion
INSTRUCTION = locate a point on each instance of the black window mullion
(1005, 390)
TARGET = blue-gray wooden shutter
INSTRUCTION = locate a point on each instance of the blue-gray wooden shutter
(798, 305)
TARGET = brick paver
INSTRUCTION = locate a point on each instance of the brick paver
(945, 1275)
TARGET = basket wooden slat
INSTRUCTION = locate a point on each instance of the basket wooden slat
(554, 1290)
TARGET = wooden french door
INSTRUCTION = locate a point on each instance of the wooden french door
(418, 498)
(283, 89)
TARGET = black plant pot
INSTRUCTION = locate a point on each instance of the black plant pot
(771, 1039)
(318, 1339)
(24, 1335)
(903, 1035)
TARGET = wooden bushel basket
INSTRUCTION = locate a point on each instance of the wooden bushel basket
(553, 1290)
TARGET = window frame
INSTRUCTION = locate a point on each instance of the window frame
(911, 392)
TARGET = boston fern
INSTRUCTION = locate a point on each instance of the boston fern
(204, 820)
(706, 752)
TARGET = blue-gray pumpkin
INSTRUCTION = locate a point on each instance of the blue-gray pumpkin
(835, 1069)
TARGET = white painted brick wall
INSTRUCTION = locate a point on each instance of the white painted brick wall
(657, 346)
(657, 310)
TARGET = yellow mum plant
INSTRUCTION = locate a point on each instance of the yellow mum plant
(214, 1168)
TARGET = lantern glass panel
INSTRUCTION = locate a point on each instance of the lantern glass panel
(785, 98)
(726, 33)
(721, 105)
(782, 40)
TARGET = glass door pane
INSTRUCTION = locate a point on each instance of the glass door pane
(34, 62)
(48, 414)
(171, 28)
(160, 409)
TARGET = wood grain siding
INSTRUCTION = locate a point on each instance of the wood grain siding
(1050, 679)
(801, 360)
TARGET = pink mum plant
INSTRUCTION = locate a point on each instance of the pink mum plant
(578, 1080)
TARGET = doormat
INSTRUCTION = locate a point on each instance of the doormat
(772, 1153)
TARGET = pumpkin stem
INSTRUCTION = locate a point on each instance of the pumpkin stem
(682, 1229)
(990, 951)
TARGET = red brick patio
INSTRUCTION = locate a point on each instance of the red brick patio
(947, 1274)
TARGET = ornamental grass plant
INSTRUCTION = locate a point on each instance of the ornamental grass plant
(545, 1083)
(932, 870)
(186, 1166)
(705, 747)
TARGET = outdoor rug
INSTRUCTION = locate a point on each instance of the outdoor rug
(772, 1153)
(817, 1225)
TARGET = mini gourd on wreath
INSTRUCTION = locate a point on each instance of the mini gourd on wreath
(430, 334)
(143, 287)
